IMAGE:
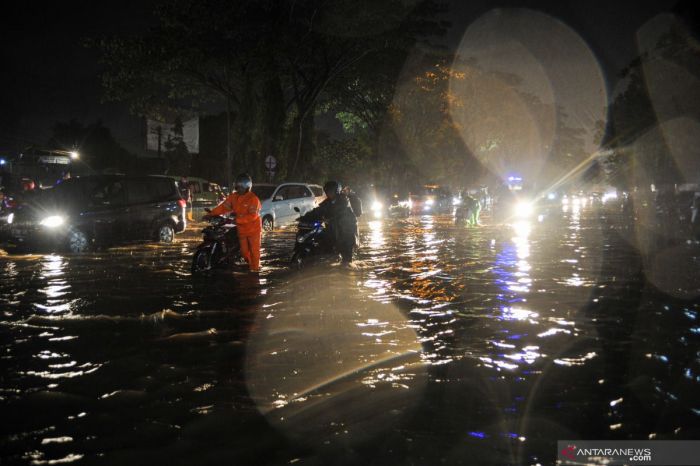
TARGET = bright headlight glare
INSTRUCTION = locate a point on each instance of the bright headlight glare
(429, 201)
(11, 218)
(609, 195)
(376, 205)
(53, 221)
(524, 209)
(456, 201)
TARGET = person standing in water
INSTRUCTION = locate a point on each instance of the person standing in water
(245, 205)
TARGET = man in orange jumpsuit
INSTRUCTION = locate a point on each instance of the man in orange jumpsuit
(245, 205)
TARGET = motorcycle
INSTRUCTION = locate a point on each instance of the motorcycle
(466, 213)
(308, 242)
(219, 247)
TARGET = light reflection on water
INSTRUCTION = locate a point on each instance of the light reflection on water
(502, 336)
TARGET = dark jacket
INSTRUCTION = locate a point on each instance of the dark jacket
(339, 216)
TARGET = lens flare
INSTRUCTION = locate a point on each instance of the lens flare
(329, 355)
(527, 94)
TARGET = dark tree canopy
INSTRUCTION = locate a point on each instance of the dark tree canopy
(270, 65)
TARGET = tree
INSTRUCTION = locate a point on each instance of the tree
(98, 149)
(646, 109)
(269, 62)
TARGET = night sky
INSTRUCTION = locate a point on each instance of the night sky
(49, 76)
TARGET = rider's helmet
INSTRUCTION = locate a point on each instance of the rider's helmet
(243, 183)
(332, 187)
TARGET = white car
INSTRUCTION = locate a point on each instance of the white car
(279, 201)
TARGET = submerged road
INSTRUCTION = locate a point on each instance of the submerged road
(445, 345)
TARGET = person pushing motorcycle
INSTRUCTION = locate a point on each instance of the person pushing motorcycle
(337, 210)
(245, 205)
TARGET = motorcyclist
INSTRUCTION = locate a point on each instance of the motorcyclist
(474, 210)
(245, 205)
(337, 211)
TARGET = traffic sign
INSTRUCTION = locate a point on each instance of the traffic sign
(270, 162)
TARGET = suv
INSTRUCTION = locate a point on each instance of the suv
(279, 201)
(100, 209)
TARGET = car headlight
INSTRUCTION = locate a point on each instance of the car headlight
(11, 218)
(524, 209)
(53, 221)
(377, 209)
(429, 202)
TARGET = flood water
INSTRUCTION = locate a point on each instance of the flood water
(446, 345)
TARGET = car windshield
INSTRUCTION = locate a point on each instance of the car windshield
(263, 191)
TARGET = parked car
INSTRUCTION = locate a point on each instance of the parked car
(279, 201)
(204, 194)
(99, 210)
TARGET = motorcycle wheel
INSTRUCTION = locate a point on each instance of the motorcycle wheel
(298, 261)
(201, 262)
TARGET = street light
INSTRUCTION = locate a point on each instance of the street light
(73, 154)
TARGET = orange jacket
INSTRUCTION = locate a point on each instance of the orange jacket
(246, 207)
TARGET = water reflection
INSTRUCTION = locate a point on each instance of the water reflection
(446, 345)
(331, 355)
(53, 274)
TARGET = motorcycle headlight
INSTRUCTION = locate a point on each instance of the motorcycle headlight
(304, 237)
(429, 201)
(53, 221)
(11, 218)
(456, 201)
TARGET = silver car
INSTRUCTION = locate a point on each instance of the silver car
(279, 200)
